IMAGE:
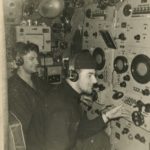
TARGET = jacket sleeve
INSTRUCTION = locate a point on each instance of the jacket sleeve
(57, 137)
(88, 128)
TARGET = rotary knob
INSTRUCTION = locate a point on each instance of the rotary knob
(122, 36)
(137, 37)
(146, 92)
(142, 139)
(95, 34)
(137, 136)
(117, 95)
(125, 131)
(137, 118)
(139, 105)
(123, 84)
(126, 78)
(101, 87)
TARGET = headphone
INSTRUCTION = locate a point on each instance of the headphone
(19, 61)
(72, 73)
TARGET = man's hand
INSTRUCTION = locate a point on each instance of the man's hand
(116, 112)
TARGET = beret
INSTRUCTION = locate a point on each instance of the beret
(84, 60)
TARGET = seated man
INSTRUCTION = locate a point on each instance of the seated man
(66, 122)
(26, 95)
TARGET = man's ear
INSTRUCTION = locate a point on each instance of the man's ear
(19, 60)
(13, 65)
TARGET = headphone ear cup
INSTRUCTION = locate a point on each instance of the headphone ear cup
(73, 76)
(19, 61)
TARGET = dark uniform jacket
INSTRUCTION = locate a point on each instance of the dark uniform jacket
(65, 120)
(27, 104)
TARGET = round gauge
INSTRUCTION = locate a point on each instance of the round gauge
(127, 10)
(99, 57)
(140, 68)
(120, 64)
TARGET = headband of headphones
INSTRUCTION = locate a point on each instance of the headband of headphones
(72, 62)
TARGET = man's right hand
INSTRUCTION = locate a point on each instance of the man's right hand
(116, 112)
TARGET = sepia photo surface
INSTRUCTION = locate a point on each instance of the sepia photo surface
(75, 75)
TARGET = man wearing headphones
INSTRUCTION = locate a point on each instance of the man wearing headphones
(26, 95)
(65, 120)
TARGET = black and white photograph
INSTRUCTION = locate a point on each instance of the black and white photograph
(75, 75)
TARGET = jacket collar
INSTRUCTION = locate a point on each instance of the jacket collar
(71, 91)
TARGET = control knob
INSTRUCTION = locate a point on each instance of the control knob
(137, 136)
(101, 87)
(142, 139)
(126, 78)
(125, 131)
(123, 84)
(117, 95)
(137, 37)
(146, 92)
(122, 36)
(138, 118)
(139, 105)
(95, 34)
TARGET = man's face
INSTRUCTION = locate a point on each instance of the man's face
(86, 80)
(30, 62)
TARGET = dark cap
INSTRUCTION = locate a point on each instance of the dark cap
(84, 60)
